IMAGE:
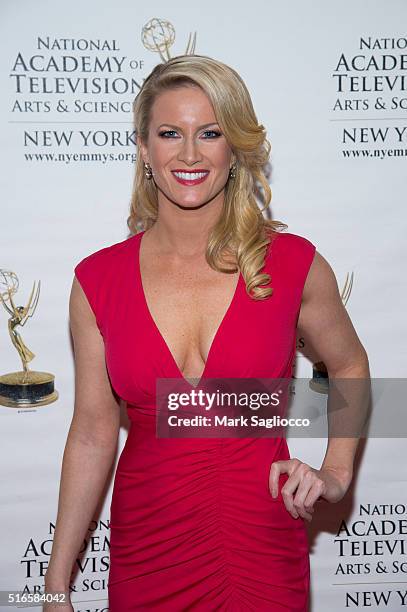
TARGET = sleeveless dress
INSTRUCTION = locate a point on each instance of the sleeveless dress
(193, 525)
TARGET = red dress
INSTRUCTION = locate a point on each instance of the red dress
(193, 524)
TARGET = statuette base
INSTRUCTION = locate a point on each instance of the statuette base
(27, 389)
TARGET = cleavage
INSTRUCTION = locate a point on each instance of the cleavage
(188, 309)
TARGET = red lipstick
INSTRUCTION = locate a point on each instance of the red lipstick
(190, 182)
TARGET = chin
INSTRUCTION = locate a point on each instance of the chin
(183, 201)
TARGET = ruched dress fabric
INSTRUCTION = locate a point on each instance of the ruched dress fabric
(193, 525)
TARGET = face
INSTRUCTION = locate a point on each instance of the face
(189, 155)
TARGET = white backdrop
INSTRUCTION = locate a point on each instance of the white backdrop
(337, 122)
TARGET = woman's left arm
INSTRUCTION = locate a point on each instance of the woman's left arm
(324, 323)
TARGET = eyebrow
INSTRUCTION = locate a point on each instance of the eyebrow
(175, 126)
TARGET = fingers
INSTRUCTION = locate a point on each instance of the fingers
(313, 495)
(295, 508)
(306, 493)
(277, 468)
(302, 488)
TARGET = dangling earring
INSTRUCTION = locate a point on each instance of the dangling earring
(149, 171)
(232, 172)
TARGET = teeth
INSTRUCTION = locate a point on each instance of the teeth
(191, 176)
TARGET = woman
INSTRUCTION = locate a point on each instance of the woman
(209, 288)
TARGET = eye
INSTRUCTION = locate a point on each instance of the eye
(162, 134)
(217, 134)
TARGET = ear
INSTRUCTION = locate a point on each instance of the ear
(141, 147)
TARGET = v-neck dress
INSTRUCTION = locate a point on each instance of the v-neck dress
(193, 525)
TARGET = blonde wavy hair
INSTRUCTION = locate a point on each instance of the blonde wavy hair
(241, 229)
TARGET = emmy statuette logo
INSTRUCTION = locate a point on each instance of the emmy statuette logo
(25, 388)
(158, 35)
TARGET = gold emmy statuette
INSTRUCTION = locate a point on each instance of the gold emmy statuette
(26, 388)
(158, 35)
(320, 378)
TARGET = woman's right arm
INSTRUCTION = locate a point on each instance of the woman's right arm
(90, 447)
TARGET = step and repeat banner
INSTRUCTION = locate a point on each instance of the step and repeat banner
(329, 82)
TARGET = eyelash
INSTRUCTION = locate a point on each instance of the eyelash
(206, 132)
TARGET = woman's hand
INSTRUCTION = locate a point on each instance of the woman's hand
(306, 484)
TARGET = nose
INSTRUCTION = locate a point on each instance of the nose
(189, 151)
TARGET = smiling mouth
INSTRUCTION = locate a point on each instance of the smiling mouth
(190, 178)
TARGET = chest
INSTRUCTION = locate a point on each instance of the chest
(169, 324)
(187, 306)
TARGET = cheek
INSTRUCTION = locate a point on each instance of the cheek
(224, 157)
(160, 155)
(221, 159)
(158, 159)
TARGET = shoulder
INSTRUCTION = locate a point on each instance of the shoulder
(101, 273)
(302, 259)
(321, 282)
(318, 274)
(288, 241)
(292, 252)
(106, 257)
